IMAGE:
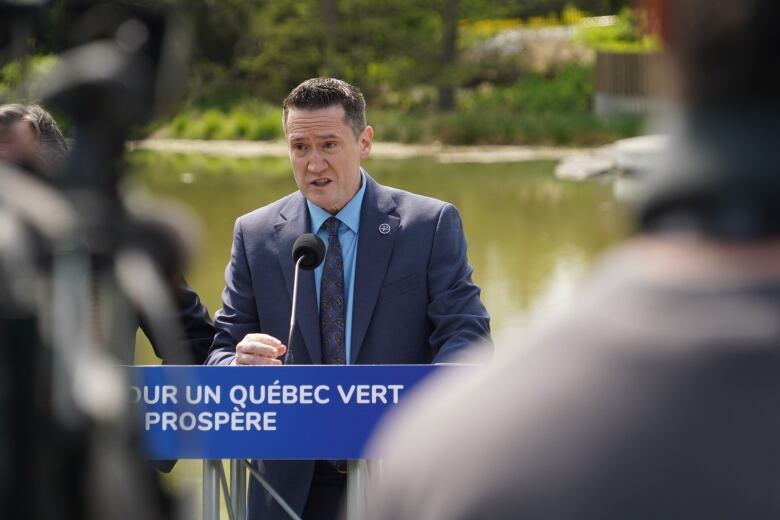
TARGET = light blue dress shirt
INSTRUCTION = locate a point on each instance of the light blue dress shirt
(348, 236)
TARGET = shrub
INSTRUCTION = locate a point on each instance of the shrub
(248, 121)
(211, 125)
(624, 35)
(267, 126)
(570, 90)
(506, 127)
(241, 124)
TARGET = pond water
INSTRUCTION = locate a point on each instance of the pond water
(531, 237)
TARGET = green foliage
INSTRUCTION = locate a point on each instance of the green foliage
(543, 8)
(285, 48)
(21, 81)
(570, 90)
(248, 55)
(507, 128)
(571, 15)
(158, 166)
(473, 31)
(537, 109)
(400, 127)
(248, 121)
(477, 30)
(220, 29)
(211, 85)
(362, 41)
(625, 35)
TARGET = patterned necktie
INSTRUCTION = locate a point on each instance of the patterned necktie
(332, 306)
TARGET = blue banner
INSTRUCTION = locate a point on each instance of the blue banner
(281, 412)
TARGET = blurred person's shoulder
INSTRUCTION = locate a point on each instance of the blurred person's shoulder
(557, 410)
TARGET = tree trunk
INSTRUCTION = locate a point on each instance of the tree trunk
(448, 56)
(329, 10)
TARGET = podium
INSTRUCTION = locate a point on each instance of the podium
(288, 412)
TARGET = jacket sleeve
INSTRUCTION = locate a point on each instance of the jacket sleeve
(238, 315)
(196, 325)
(459, 319)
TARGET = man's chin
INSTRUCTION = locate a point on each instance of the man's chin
(321, 202)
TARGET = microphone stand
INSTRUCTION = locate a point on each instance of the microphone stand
(288, 356)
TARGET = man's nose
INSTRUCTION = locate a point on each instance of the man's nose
(316, 162)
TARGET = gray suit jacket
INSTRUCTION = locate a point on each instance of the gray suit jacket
(414, 303)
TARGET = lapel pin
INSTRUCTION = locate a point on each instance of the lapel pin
(384, 228)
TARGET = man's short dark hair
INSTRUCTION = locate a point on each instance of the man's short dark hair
(54, 149)
(317, 93)
(726, 51)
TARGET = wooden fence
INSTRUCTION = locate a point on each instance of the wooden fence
(628, 82)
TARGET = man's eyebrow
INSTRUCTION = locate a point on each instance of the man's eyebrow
(300, 137)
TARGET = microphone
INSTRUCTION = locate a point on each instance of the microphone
(308, 252)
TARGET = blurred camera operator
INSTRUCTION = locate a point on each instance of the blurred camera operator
(654, 396)
(30, 138)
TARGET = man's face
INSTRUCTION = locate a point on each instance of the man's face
(325, 155)
(19, 144)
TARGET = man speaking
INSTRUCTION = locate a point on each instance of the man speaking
(395, 286)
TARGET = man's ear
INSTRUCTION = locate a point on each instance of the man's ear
(365, 140)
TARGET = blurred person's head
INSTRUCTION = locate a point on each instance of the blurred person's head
(724, 51)
(327, 137)
(30, 137)
(717, 178)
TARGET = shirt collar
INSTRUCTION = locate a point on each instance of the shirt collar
(349, 214)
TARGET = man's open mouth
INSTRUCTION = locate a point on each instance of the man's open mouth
(321, 182)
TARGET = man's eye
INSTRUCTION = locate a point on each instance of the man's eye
(299, 147)
(330, 145)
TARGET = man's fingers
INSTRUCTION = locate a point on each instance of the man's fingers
(262, 338)
(256, 348)
(249, 359)
(259, 349)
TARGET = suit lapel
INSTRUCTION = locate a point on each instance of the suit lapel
(375, 247)
(294, 222)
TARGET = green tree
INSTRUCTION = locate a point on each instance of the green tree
(220, 29)
(373, 44)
